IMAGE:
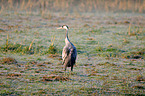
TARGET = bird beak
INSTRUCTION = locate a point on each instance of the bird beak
(60, 28)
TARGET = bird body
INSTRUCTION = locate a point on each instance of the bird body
(69, 52)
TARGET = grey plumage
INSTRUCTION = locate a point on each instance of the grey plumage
(69, 52)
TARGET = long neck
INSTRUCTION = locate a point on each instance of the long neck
(66, 37)
(66, 34)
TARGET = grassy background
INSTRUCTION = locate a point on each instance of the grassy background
(109, 36)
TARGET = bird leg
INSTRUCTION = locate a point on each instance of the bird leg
(63, 62)
(69, 74)
(71, 67)
(65, 67)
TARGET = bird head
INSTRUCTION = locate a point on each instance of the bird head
(63, 27)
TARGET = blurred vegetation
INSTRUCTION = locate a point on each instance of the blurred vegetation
(73, 6)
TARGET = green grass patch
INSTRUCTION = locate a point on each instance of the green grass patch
(109, 49)
(31, 49)
(98, 31)
(52, 49)
(18, 48)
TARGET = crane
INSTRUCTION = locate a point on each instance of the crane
(69, 52)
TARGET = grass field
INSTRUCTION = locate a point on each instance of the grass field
(110, 47)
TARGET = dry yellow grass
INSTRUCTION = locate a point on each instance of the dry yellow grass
(8, 60)
(43, 6)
